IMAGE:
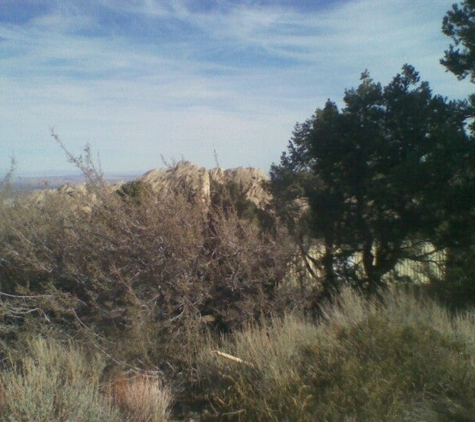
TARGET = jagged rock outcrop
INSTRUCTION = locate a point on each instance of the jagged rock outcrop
(198, 182)
(248, 180)
(184, 177)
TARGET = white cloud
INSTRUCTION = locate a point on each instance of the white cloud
(234, 78)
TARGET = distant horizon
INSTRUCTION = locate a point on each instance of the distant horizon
(76, 173)
(54, 173)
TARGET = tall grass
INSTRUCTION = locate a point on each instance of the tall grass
(391, 359)
(52, 382)
(141, 398)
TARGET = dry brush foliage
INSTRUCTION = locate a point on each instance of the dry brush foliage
(143, 275)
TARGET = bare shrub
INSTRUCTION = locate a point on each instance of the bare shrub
(141, 276)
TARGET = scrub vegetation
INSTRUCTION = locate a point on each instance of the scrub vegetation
(392, 358)
(136, 304)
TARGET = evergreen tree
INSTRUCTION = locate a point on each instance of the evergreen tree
(459, 24)
(378, 178)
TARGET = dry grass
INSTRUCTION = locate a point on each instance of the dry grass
(52, 382)
(56, 382)
(141, 398)
(393, 359)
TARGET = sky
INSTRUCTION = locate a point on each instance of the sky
(148, 81)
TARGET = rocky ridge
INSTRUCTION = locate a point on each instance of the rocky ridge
(184, 176)
(199, 181)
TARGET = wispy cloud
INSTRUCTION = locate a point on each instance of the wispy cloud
(142, 78)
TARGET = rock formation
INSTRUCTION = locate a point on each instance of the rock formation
(198, 182)
(195, 181)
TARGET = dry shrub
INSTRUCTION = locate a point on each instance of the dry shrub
(142, 277)
(142, 398)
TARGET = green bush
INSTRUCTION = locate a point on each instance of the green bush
(394, 358)
(136, 191)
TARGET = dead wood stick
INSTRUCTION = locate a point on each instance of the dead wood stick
(233, 358)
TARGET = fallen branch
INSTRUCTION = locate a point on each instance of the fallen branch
(234, 358)
(236, 413)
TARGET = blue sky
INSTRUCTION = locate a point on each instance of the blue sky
(141, 79)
